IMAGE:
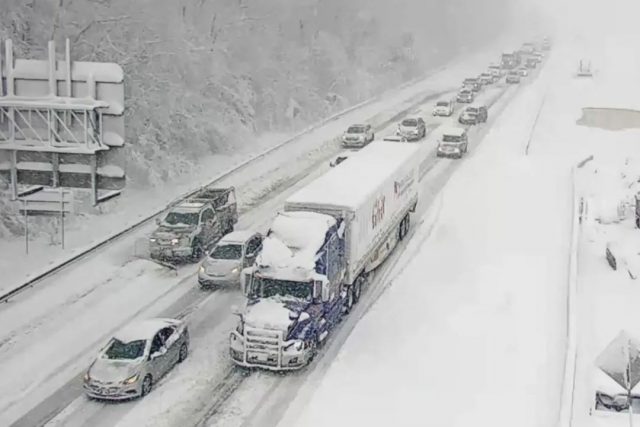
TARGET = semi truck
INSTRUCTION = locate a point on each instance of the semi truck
(319, 253)
(190, 227)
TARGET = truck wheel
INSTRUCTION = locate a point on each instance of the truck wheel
(348, 304)
(357, 289)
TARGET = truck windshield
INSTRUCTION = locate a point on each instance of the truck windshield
(227, 252)
(284, 288)
(181, 218)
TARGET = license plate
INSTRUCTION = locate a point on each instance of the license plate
(260, 357)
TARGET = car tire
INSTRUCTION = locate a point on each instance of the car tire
(196, 251)
(184, 352)
(147, 386)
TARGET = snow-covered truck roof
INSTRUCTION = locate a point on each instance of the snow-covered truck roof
(350, 186)
(291, 247)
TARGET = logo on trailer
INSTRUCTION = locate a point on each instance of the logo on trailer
(401, 187)
(377, 213)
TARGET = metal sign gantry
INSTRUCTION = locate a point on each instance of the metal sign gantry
(61, 123)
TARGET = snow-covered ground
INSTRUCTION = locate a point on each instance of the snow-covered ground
(60, 324)
(605, 300)
(472, 330)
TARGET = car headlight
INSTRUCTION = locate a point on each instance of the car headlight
(153, 240)
(132, 379)
(236, 270)
(87, 377)
(175, 241)
(201, 269)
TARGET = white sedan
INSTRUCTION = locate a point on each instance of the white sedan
(135, 358)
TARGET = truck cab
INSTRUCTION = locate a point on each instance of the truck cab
(294, 293)
(189, 228)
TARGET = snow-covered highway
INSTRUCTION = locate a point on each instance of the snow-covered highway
(59, 325)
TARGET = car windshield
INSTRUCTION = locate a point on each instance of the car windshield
(181, 218)
(471, 111)
(119, 350)
(410, 123)
(284, 288)
(451, 138)
(442, 104)
(356, 129)
(227, 251)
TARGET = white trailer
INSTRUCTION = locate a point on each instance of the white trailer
(373, 192)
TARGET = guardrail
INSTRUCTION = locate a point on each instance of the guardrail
(569, 381)
(111, 238)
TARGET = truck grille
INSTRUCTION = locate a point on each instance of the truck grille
(263, 346)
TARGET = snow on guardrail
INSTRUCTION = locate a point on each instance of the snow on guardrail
(568, 385)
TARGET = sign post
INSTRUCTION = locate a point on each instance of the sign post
(62, 218)
(621, 361)
(26, 227)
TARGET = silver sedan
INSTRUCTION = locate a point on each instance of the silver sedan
(135, 358)
(223, 264)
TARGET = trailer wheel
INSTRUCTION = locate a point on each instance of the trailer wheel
(404, 227)
(349, 302)
(357, 289)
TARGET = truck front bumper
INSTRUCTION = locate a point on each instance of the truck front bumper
(275, 360)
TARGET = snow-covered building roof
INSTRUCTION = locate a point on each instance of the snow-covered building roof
(349, 187)
(143, 330)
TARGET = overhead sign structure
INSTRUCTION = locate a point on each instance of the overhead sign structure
(61, 123)
(41, 201)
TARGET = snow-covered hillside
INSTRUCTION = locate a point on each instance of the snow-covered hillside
(207, 76)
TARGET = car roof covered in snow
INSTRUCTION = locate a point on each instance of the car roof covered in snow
(144, 329)
(454, 131)
(238, 236)
(350, 186)
(189, 206)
